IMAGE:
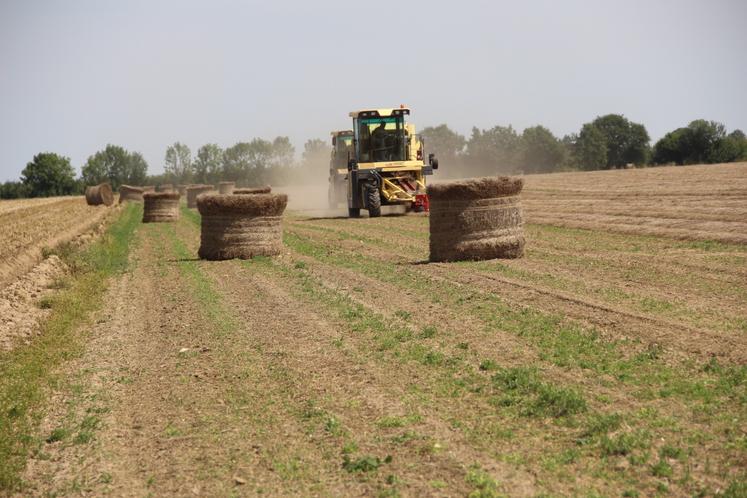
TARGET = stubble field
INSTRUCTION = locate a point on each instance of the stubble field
(609, 361)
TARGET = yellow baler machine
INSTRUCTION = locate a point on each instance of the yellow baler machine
(385, 163)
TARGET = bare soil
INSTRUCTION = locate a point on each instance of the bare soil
(30, 225)
(601, 363)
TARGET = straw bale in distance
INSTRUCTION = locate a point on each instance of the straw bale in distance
(99, 194)
(194, 190)
(476, 219)
(226, 187)
(241, 226)
(129, 193)
(253, 190)
(160, 207)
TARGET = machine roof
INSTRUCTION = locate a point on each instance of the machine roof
(381, 112)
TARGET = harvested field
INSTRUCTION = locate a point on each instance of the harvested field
(704, 202)
(29, 225)
(599, 364)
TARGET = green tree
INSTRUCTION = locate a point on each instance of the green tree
(700, 142)
(208, 163)
(13, 190)
(137, 169)
(626, 142)
(540, 150)
(730, 148)
(48, 174)
(178, 163)
(493, 151)
(444, 142)
(115, 165)
(590, 148)
(248, 161)
(670, 148)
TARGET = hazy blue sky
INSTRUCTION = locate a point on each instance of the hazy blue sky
(76, 75)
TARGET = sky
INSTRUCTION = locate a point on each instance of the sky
(76, 75)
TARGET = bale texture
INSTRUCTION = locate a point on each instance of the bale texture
(241, 226)
(165, 187)
(226, 187)
(182, 189)
(254, 190)
(149, 188)
(99, 194)
(128, 193)
(160, 207)
(476, 219)
(193, 191)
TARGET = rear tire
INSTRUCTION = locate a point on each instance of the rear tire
(354, 212)
(373, 201)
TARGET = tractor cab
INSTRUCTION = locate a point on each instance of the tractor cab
(342, 149)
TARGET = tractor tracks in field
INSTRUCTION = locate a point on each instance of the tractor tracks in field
(616, 322)
(351, 384)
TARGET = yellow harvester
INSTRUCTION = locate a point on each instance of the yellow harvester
(379, 162)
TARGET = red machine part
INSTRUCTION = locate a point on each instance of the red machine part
(421, 201)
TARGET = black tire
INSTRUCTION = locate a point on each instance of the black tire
(354, 212)
(418, 209)
(373, 202)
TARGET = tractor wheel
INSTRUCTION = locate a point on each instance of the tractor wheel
(418, 209)
(373, 201)
(354, 212)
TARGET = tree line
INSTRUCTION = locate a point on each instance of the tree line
(610, 141)
(607, 142)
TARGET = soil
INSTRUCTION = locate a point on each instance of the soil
(30, 225)
(283, 376)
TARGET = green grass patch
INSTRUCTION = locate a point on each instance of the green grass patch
(28, 371)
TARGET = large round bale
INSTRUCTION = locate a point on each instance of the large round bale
(160, 207)
(226, 187)
(194, 190)
(165, 187)
(129, 193)
(182, 189)
(99, 194)
(241, 226)
(252, 190)
(148, 188)
(476, 219)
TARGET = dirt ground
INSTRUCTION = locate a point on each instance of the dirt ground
(29, 227)
(600, 364)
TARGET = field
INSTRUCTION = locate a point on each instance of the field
(610, 361)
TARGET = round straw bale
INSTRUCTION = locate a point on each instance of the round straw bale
(148, 188)
(160, 207)
(194, 190)
(99, 194)
(226, 187)
(128, 193)
(241, 226)
(182, 189)
(165, 187)
(476, 219)
(254, 190)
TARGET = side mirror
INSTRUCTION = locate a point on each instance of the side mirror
(334, 141)
(433, 161)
